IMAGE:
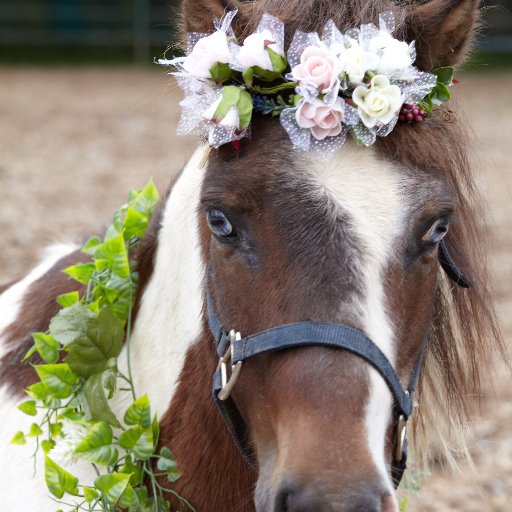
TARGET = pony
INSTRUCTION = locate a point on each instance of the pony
(274, 237)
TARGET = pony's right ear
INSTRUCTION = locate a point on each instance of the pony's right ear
(443, 30)
(198, 15)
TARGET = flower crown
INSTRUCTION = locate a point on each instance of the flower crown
(325, 87)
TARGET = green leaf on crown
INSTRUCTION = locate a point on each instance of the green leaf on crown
(37, 391)
(35, 430)
(131, 469)
(95, 401)
(90, 494)
(278, 61)
(89, 339)
(444, 75)
(19, 438)
(58, 480)
(97, 447)
(245, 107)
(81, 272)
(112, 486)
(130, 499)
(58, 379)
(221, 72)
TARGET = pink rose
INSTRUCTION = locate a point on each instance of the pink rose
(322, 119)
(318, 67)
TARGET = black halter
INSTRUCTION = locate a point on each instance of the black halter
(233, 350)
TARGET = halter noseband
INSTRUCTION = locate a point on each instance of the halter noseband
(233, 351)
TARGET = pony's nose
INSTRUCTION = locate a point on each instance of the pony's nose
(295, 498)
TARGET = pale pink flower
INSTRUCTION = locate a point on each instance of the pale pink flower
(318, 67)
(324, 120)
(208, 51)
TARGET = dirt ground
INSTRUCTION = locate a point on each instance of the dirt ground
(73, 142)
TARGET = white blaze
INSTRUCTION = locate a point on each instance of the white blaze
(370, 191)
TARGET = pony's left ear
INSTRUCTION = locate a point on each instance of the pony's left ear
(198, 15)
(443, 30)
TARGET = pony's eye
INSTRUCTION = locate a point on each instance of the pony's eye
(219, 224)
(437, 232)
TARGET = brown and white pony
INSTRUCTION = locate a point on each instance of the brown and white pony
(348, 240)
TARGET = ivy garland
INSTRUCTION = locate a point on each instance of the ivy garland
(80, 375)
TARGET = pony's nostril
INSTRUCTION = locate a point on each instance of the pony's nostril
(389, 503)
(294, 498)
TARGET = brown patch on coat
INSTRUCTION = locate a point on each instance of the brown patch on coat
(38, 308)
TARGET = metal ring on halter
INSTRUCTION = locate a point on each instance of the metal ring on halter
(401, 437)
(228, 382)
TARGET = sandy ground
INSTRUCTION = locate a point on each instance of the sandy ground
(73, 142)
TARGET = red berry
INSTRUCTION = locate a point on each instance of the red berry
(408, 106)
(418, 119)
(415, 111)
(409, 117)
(401, 117)
(422, 113)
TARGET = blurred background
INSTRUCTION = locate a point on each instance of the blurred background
(85, 116)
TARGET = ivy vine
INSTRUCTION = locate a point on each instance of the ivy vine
(80, 375)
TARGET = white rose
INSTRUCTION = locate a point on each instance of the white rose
(356, 62)
(394, 54)
(208, 51)
(379, 103)
(254, 50)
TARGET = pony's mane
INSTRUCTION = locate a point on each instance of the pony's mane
(464, 335)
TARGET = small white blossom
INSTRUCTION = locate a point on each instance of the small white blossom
(254, 50)
(207, 51)
(355, 62)
(378, 103)
(393, 54)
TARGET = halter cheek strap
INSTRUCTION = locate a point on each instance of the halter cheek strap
(233, 351)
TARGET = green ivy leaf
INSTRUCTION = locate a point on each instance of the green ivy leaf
(131, 469)
(166, 462)
(97, 447)
(91, 340)
(134, 224)
(28, 407)
(112, 486)
(19, 438)
(440, 94)
(129, 498)
(221, 72)
(50, 402)
(95, 401)
(35, 430)
(37, 391)
(55, 429)
(30, 352)
(155, 427)
(145, 199)
(47, 445)
(90, 494)
(139, 413)
(58, 480)
(139, 440)
(46, 346)
(57, 378)
(114, 256)
(91, 245)
(68, 299)
(81, 272)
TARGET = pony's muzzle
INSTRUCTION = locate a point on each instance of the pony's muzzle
(292, 497)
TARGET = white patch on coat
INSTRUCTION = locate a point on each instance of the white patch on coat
(168, 323)
(370, 191)
(12, 298)
(169, 319)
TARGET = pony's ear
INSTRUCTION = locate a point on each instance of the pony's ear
(443, 30)
(198, 15)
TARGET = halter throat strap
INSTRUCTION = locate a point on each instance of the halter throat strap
(233, 351)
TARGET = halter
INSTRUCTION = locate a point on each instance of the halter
(233, 351)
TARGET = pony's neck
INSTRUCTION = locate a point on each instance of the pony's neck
(173, 359)
(169, 315)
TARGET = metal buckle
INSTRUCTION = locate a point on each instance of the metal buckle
(228, 382)
(401, 434)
